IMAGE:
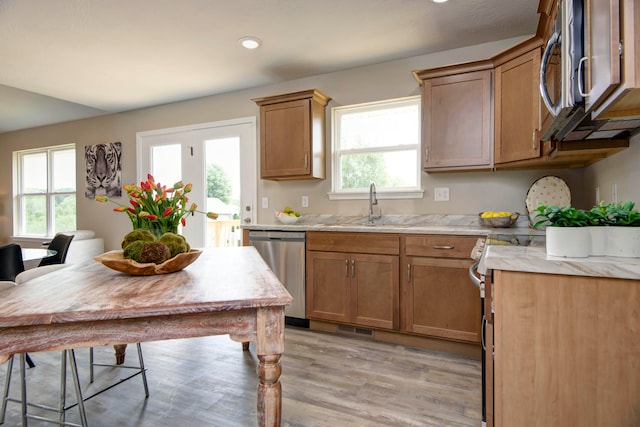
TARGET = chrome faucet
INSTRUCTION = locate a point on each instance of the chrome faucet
(373, 200)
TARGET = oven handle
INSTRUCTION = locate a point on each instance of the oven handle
(473, 269)
(544, 92)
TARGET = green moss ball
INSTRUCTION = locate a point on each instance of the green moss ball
(138, 234)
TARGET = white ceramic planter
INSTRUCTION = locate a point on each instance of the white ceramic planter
(598, 240)
(623, 241)
(571, 242)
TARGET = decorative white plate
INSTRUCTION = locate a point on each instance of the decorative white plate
(548, 190)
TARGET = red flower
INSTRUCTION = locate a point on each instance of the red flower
(167, 211)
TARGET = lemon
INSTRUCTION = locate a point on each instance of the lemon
(492, 214)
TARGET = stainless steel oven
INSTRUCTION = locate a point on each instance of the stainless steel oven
(477, 273)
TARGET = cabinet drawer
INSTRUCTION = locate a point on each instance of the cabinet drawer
(439, 246)
(364, 243)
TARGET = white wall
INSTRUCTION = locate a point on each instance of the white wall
(622, 169)
(470, 192)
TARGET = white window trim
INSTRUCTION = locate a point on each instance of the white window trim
(18, 232)
(399, 193)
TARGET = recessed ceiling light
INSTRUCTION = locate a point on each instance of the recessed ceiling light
(439, 1)
(250, 42)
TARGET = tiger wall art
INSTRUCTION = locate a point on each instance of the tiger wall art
(103, 170)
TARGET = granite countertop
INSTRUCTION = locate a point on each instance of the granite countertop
(534, 259)
(531, 258)
(407, 224)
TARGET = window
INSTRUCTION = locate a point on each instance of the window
(45, 191)
(377, 142)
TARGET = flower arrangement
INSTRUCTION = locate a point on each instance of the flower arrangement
(157, 207)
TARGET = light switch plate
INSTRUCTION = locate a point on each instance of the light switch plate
(305, 201)
(265, 202)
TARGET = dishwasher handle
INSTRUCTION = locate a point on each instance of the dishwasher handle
(283, 236)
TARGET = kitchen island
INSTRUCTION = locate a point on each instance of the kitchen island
(225, 291)
(562, 339)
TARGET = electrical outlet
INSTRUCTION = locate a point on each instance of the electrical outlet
(614, 193)
(441, 194)
(265, 202)
(597, 195)
(305, 201)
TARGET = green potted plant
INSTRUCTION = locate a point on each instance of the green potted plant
(566, 230)
(623, 231)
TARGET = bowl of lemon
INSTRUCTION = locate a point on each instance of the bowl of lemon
(502, 219)
(287, 216)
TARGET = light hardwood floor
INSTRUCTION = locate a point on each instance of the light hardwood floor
(327, 380)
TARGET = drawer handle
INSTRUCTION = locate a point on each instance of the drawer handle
(447, 247)
(353, 268)
(408, 273)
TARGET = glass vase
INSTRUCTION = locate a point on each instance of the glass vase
(159, 229)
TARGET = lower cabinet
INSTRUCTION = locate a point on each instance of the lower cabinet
(360, 289)
(566, 351)
(438, 297)
(358, 279)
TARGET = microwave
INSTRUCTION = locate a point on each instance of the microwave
(562, 71)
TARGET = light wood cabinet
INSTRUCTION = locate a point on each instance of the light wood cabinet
(457, 117)
(438, 297)
(353, 278)
(613, 40)
(517, 104)
(566, 350)
(292, 135)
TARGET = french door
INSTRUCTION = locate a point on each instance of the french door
(219, 159)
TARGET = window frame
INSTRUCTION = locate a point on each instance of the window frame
(19, 192)
(336, 152)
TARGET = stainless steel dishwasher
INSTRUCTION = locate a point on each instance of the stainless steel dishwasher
(284, 253)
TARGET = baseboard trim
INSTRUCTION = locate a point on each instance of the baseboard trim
(393, 337)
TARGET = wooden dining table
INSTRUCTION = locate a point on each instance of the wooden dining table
(225, 291)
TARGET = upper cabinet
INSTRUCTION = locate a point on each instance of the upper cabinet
(517, 104)
(613, 44)
(292, 137)
(457, 117)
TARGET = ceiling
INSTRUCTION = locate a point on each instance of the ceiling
(73, 59)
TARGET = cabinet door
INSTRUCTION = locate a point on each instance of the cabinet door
(328, 293)
(567, 340)
(602, 30)
(457, 121)
(375, 291)
(285, 139)
(517, 108)
(440, 300)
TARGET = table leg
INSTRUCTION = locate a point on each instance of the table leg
(120, 350)
(269, 391)
(269, 348)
